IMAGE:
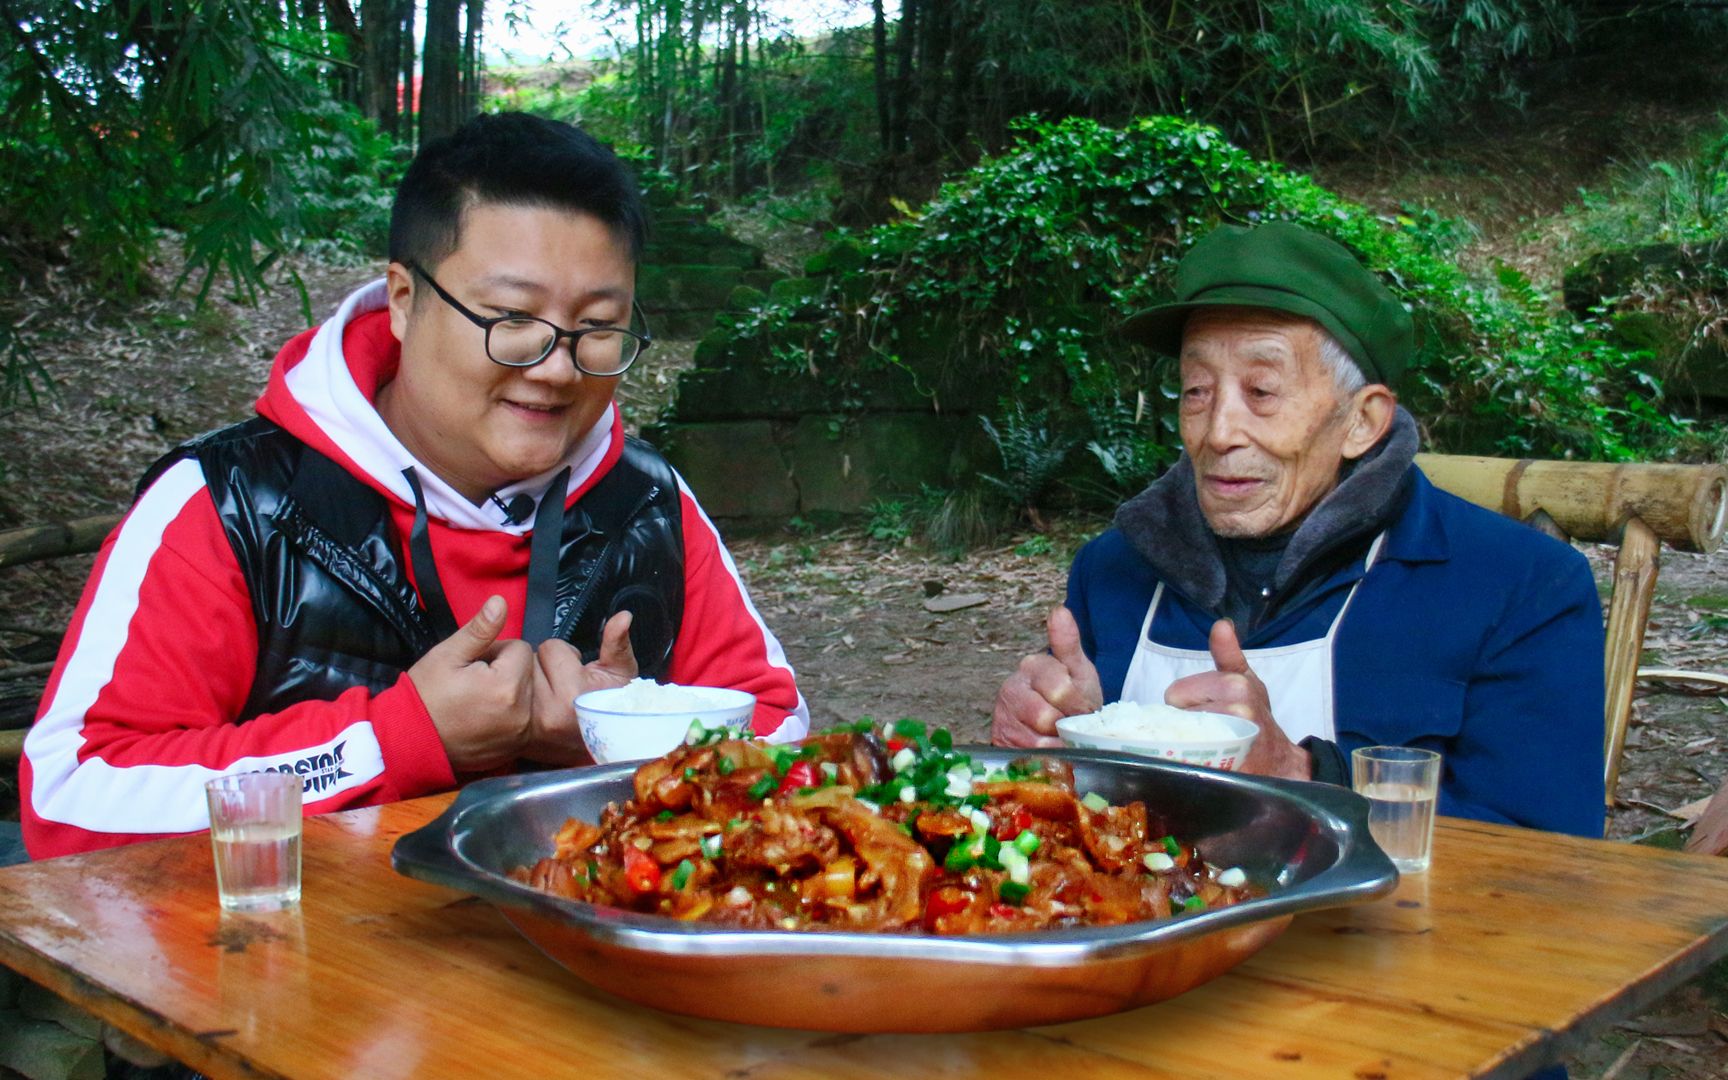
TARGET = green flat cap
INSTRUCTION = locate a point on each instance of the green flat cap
(1285, 267)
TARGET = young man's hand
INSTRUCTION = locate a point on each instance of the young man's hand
(560, 677)
(477, 691)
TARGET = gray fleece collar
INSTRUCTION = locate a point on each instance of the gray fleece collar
(1165, 525)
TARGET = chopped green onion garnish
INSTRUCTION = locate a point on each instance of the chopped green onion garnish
(694, 735)
(1193, 903)
(1171, 847)
(689, 772)
(1027, 842)
(664, 815)
(762, 786)
(726, 766)
(734, 823)
(959, 858)
(909, 728)
(941, 739)
(1095, 802)
(1012, 892)
(681, 876)
(711, 846)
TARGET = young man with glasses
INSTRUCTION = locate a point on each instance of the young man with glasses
(431, 539)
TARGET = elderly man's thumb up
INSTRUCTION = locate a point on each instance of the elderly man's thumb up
(1047, 687)
(1232, 687)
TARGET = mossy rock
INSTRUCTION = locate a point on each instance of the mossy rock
(1614, 273)
(685, 287)
(842, 257)
(803, 295)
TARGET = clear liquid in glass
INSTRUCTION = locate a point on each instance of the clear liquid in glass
(1401, 819)
(257, 866)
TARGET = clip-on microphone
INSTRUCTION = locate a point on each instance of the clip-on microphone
(519, 509)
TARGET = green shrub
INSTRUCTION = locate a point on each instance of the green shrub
(1033, 258)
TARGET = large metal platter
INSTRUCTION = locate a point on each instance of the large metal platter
(1308, 844)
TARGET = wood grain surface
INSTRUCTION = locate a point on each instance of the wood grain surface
(1512, 946)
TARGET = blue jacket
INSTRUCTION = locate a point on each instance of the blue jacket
(1472, 635)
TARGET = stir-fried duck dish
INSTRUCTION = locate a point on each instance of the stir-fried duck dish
(859, 830)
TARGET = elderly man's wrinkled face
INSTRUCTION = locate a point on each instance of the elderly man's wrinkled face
(1263, 419)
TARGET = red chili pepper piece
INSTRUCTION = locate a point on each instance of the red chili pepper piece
(799, 774)
(1003, 911)
(945, 901)
(897, 744)
(640, 872)
(1017, 823)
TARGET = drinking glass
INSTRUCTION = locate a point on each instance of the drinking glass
(1401, 784)
(255, 835)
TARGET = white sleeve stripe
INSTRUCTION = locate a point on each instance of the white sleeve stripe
(797, 722)
(142, 798)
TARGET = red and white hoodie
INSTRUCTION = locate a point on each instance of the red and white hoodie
(158, 660)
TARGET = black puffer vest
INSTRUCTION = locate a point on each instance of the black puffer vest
(327, 571)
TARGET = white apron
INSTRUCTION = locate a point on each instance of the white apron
(1298, 677)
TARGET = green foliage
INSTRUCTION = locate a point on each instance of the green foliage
(890, 522)
(1033, 450)
(1016, 274)
(949, 521)
(210, 119)
(1681, 201)
(1034, 547)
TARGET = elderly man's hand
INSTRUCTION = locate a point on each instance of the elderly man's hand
(560, 677)
(477, 691)
(1048, 686)
(1235, 689)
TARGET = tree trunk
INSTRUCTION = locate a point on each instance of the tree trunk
(475, 23)
(380, 34)
(410, 94)
(904, 52)
(441, 69)
(879, 54)
(344, 27)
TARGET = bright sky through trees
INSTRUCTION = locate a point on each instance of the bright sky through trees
(545, 29)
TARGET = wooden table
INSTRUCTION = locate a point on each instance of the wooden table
(1491, 964)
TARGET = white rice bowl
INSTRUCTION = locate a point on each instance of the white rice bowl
(1215, 740)
(645, 719)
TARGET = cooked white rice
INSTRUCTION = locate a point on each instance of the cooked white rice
(1133, 720)
(648, 696)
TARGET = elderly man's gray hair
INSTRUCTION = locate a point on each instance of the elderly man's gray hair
(1346, 373)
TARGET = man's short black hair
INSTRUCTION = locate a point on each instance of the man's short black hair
(517, 160)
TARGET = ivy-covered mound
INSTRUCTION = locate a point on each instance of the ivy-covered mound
(1015, 276)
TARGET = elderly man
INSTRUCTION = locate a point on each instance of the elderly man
(1297, 569)
(430, 540)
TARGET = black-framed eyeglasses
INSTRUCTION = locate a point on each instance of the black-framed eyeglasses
(521, 341)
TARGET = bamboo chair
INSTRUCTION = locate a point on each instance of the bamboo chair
(1636, 507)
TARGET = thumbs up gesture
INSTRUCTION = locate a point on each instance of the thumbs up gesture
(1234, 688)
(477, 691)
(1047, 687)
(560, 677)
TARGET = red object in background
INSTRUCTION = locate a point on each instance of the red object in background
(409, 107)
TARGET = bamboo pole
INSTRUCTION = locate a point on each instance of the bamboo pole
(1635, 569)
(55, 539)
(1685, 505)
